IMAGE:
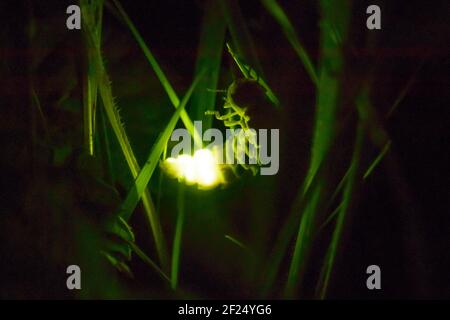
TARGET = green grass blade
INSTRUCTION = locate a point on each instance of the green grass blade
(343, 182)
(145, 174)
(242, 39)
(37, 103)
(332, 214)
(303, 241)
(105, 91)
(105, 141)
(141, 254)
(377, 160)
(209, 59)
(94, 15)
(159, 73)
(244, 46)
(280, 16)
(250, 73)
(237, 242)
(341, 215)
(176, 251)
(331, 65)
(89, 106)
(289, 227)
(405, 90)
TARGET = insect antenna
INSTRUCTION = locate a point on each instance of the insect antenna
(216, 90)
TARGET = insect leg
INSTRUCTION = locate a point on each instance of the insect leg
(250, 167)
(219, 116)
(212, 113)
(216, 90)
(232, 123)
(227, 117)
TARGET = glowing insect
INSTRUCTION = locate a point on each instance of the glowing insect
(241, 103)
(201, 169)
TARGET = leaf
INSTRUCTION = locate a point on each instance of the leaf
(280, 16)
(342, 212)
(240, 34)
(176, 251)
(209, 57)
(145, 174)
(159, 73)
(250, 73)
(118, 264)
(377, 160)
(105, 90)
(148, 261)
(331, 67)
(93, 14)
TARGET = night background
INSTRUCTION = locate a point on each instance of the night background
(363, 171)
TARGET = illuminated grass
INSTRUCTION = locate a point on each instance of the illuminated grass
(146, 173)
(176, 250)
(209, 58)
(330, 66)
(159, 73)
(104, 88)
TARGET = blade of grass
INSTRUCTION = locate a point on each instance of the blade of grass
(405, 90)
(347, 198)
(209, 58)
(237, 242)
(37, 103)
(240, 34)
(250, 73)
(288, 29)
(331, 65)
(95, 10)
(146, 173)
(176, 250)
(159, 73)
(105, 90)
(141, 254)
(105, 141)
(343, 182)
(332, 215)
(288, 230)
(245, 47)
(160, 183)
(377, 159)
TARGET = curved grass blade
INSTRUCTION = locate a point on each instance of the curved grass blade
(250, 73)
(331, 67)
(141, 254)
(159, 73)
(280, 16)
(176, 251)
(287, 232)
(146, 173)
(347, 198)
(237, 242)
(209, 58)
(377, 159)
(240, 34)
(94, 14)
(105, 91)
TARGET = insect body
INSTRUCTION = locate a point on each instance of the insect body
(237, 114)
(241, 101)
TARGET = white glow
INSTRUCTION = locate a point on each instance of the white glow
(201, 169)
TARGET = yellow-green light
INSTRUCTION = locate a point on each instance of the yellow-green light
(201, 169)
